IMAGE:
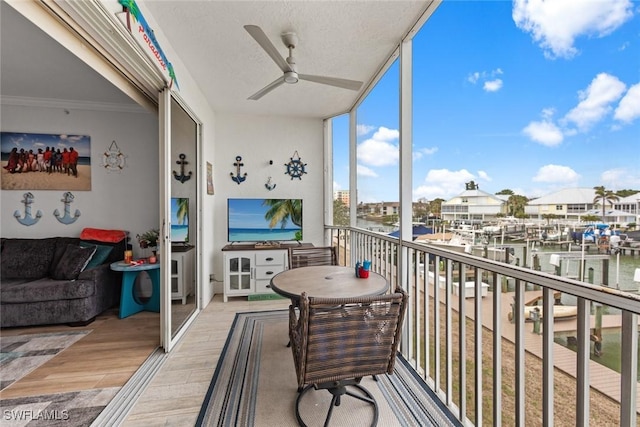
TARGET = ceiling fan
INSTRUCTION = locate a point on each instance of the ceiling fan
(288, 66)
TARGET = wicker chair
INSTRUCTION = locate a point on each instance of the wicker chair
(337, 341)
(303, 257)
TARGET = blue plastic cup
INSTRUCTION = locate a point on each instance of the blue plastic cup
(366, 265)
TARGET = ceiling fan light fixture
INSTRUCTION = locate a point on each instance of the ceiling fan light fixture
(291, 77)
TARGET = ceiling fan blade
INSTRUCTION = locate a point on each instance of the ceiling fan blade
(333, 81)
(264, 42)
(268, 88)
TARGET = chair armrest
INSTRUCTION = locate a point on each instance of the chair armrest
(298, 342)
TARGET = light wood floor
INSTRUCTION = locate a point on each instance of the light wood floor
(106, 357)
(176, 393)
(116, 348)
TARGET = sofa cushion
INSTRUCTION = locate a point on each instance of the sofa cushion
(27, 258)
(73, 261)
(100, 256)
(18, 292)
(61, 246)
(117, 254)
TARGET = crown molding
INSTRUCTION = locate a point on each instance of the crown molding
(67, 104)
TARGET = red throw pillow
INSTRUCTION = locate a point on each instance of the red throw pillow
(111, 236)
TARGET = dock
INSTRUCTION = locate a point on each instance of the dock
(601, 378)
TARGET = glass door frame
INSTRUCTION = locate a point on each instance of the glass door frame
(165, 99)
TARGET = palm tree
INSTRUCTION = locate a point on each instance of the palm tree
(182, 212)
(283, 210)
(606, 196)
(590, 218)
(516, 204)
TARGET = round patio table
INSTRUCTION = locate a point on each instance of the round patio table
(327, 281)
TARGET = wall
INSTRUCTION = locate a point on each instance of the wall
(258, 140)
(125, 200)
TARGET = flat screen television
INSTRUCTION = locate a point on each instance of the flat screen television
(179, 220)
(262, 220)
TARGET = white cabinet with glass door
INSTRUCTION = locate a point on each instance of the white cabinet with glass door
(238, 278)
(250, 272)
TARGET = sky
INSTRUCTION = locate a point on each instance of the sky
(250, 213)
(528, 95)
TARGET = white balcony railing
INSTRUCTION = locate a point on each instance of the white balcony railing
(508, 371)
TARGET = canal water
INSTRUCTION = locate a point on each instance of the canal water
(621, 268)
(621, 272)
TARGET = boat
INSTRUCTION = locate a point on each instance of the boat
(560, 311)
(469, 286)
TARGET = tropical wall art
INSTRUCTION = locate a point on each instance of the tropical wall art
(43, 161)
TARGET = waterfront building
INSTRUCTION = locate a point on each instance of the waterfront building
(342, 195)
(574, 203)
(474, 205)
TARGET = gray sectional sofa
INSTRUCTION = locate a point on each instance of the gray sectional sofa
(57, 280)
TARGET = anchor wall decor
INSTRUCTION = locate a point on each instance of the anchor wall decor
(269, 185)
(182, 162)
(28, 219)
(238, 178)
(67, 199)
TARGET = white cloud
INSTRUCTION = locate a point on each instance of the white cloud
(595, 101)
(629, 108)
(493, 85)
(544, 132)
(379, 150)
(421, 152)
(386, 134)
(556, 174)
(547, 113)
(366, 172)
(443, 183)
(336, 186)
(483, 175)
(620, 178)
(555, 25)
(364, 129)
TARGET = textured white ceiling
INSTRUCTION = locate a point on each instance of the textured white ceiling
(346, 39)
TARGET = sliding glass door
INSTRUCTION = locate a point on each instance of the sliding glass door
(179, 176)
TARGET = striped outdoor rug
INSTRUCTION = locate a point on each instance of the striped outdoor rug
(255, 384)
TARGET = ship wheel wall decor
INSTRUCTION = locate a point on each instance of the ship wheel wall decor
(295, 167)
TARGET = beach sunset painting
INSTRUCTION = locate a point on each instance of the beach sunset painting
(39, 161)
